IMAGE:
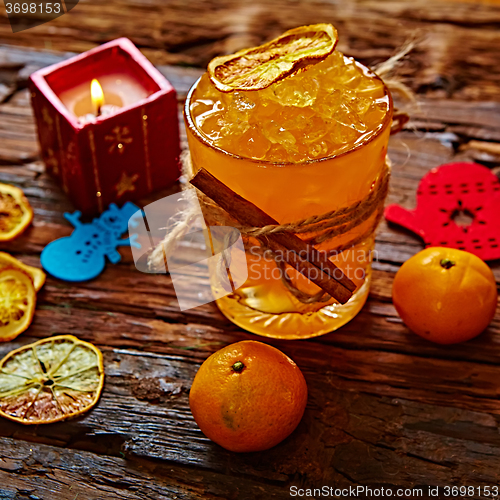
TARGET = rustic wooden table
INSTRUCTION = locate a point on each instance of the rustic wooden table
(385, 407)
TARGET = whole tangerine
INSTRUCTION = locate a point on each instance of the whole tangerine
(445, 295)
(248, 396)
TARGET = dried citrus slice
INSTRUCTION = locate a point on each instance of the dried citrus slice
(17, 302)
(51, 380)
(259, 67)
(37, 275)
(15, 212)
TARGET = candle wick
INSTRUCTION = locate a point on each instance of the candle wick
(98, 110)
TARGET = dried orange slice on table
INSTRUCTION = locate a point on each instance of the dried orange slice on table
(259, 67)
(17, 302)
(37, 275)
(51, 380)
(15, 212)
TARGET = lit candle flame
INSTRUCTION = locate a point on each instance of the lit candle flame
(97, 96)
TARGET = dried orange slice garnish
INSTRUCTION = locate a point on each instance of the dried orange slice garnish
(51, 380)
(15, 212)
(259, 67)
(37, 275)
(17, 302)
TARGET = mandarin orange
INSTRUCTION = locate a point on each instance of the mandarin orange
(445, 295)
(248, 396)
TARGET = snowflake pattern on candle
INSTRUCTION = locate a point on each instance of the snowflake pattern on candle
(72, 159)
(126, 183)
(47, 130)
(119, 138)
(47, 118)
(51, 161)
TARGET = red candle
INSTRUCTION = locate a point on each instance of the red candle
(117, 147)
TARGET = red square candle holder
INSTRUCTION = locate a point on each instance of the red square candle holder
(117, 156)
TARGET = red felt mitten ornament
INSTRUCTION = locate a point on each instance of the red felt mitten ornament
(458, 206)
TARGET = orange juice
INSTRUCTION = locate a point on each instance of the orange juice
(309, 143)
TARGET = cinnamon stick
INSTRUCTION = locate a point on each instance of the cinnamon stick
(311, 272)
(305, 258)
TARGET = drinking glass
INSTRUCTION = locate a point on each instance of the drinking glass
(289, 191)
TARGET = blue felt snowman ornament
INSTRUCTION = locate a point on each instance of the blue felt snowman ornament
(81, 256)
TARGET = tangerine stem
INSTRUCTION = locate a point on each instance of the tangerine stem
(447, 263)
(238, 366)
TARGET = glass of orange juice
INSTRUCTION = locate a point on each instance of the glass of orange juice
(310, 142)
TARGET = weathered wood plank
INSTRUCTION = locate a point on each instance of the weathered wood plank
(356, 402)
(193, 32)
(17, 63)
(152, 301)
(40, 471)
(152, 324)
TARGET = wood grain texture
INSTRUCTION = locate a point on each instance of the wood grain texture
(385, 407)
(451, 59)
